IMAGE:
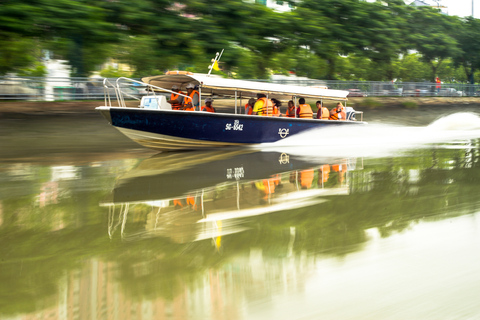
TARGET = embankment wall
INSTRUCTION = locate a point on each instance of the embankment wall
(88, 107)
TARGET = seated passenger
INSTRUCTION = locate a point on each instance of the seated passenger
(304, 110)
(208, 106)
(191, 102)
(276, 107)
(249, 106)
(176, 100)
(306, 178)
(290, 110)
(263, 106)
(322, 112)
(338, 113)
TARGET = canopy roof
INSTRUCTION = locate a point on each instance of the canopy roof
(227, 87)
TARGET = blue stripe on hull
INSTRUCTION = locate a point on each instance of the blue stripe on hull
(228, 128)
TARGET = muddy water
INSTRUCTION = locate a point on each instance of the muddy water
(378, 224)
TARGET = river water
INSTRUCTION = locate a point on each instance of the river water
(381, 222)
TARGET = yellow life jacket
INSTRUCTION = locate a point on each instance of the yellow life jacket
(267, 108)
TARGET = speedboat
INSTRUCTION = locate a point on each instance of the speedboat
(154, 124)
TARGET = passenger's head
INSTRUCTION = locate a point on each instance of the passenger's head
(190, 87)
(251, 101)
(319, 104)
(291, 104)
(208, 101)
(301, 101)
(339, 105)
(261, 95)
(276, 103)
(175, 88)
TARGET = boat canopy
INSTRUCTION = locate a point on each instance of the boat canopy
(229, 87)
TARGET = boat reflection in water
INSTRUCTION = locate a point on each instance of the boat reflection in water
(201, 195)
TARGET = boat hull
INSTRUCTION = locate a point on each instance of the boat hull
(184, 130)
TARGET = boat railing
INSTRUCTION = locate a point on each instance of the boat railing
(106, 93)
(360, 113)
(121, 94)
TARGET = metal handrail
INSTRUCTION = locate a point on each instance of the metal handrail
(106, 93)
(149, 86)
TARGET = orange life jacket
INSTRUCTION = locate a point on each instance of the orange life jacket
(207, 109)
(306, 178)
(176, 106)
(323, 113)
(323, 173)
(177, 203)
(267, 109)
(189, 100)
(276, 111)
(248, 109)
(191, 202)
(269, 185)
(305, 111)
(290, 114)
(341, 169)
(335, 114)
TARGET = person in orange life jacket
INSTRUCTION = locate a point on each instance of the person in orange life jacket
(178, 203)
(322, 112)
(338, 113)
(249, 106)
(306, 178)
(263, 106)
(341, 169)
(323, 174)
(276, 107)
(208, 106)
(190, 103)
(290, 110)
(304, 110)
(176, 100)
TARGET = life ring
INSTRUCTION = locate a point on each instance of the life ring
(188, 73)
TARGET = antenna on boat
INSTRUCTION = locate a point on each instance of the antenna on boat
(214, 64)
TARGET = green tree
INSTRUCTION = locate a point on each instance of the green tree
(431, 35)
(469, 44)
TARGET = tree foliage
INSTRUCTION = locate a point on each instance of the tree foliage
(341, 39)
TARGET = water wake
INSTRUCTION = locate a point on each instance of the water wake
(377, 140)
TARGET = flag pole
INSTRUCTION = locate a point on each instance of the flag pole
(217, 58)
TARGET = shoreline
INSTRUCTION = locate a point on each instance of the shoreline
(86, 108)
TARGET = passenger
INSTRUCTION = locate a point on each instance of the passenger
(323, 174)
(276, 107)
(304, 110)
(191, 102)
(290, 110)
(306, 178)
(341, 169)
(263, 106)
(338, 113)
(322, 112)
(208, 105)
(176, 100)
(249, 106)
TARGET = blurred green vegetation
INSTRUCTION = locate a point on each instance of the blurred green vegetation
(43, 245)
(327, 39)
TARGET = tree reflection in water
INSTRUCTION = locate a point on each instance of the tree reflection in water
(196, 238)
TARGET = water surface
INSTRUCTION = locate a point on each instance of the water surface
(382, 223)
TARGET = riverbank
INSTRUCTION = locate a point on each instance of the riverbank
(370, 104)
